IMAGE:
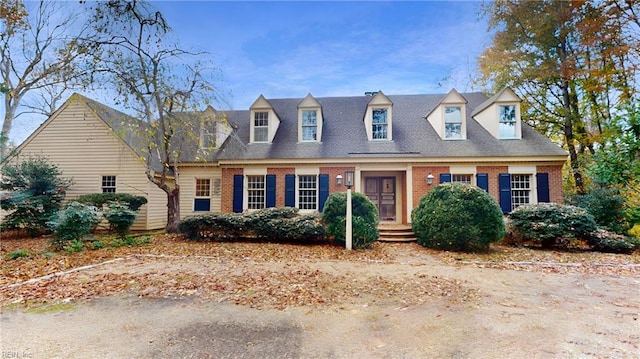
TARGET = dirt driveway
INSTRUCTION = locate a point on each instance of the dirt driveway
(426, 309)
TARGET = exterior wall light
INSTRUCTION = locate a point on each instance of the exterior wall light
(430, 179)
(339, 179)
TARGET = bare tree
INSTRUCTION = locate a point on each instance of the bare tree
(40, 49)
(162, 83)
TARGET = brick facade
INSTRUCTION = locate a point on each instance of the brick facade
(419, 181)
(227, 188)
(280, 172)
(555, 182)
(493, 172)
(333, 172)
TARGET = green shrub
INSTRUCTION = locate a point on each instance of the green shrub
(101, 199)
(120, 217)
(364, 219)
(33, 194)
(74, 223)
(606, 205)
(275, 224)
(75, 246)
(550, 225)
(604, 241)
(21, 253)
(97, 245)
(457, 217)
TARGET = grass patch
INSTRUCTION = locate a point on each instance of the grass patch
(51, 308)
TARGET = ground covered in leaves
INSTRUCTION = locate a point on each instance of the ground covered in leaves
(265, 275)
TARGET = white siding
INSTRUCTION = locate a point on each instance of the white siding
(85, 149)
(188, 177)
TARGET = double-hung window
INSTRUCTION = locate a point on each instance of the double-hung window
(380, 124)
(256, 195)
(261, 126)
(520, 190)
(453, 122)
(308, 192)
(108, 184)
(202, 202)
(309, 125)
(507, 121)
(461, 178)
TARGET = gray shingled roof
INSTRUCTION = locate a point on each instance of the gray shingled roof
(344, 136)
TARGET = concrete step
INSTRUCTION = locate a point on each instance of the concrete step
(395, 233)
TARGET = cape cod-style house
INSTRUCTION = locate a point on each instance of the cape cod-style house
(294, 151)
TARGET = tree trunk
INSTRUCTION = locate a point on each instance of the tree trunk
(173, 211)
(6, 126)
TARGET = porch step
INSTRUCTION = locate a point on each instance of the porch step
(395, 233)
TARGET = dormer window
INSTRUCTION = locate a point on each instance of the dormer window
(500, 115)
(309, 120)
(309, 125)
(453, 122)
(261, 126)
(264, 121)
(507, 121)
(448, 118)
(379, 124)
(378, 120)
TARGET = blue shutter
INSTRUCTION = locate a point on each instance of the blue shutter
(290, 190)
(271, 191)
(323, 190)
(505, 192)
(238, 181)
(445, 177)
(482, 180)
(543, 187)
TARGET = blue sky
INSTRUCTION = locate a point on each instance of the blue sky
(328, 48)
(289, 49)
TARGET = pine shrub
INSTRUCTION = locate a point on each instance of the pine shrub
(75, 222)
(457, 217)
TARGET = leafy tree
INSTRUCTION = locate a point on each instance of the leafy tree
(40, 49)
(162, 83)
(34, 193)
(572, 62)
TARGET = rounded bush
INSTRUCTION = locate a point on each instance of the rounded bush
(457, 217)
(364, 221)
(550, 225)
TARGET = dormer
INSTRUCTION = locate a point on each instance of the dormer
(500, 115)
(309, 120)
(449, 117)
(378, 119)
(264, 121)
(214, 128)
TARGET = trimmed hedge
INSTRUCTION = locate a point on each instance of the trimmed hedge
(272, 224)
(364, 219)
(101, 199)
(457, 217)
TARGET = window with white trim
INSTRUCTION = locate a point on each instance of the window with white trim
(308, 192)
(507, 121)
(309, 125)
(261, 126)
(380, 124)
(520, 190)
(108, 184)
(203, 187)
(461, 178)
(202, 200)
(256, 192)
(453, 122)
